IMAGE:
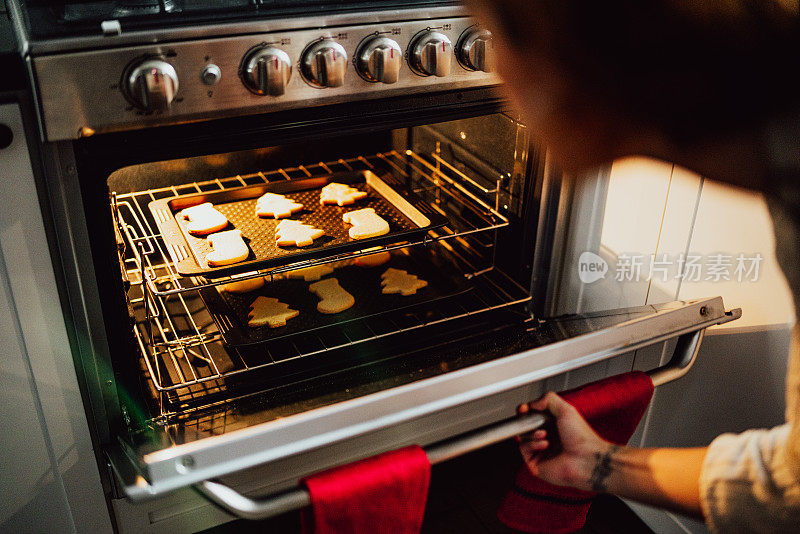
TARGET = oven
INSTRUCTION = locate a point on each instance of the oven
(188, 406)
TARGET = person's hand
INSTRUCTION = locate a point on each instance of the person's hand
(571, 457)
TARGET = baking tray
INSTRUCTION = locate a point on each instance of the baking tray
(408, 217)
(364, 283)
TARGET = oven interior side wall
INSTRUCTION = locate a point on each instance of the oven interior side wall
(497, 152)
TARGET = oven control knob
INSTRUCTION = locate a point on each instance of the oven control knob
(430, 54)
(324, 64)
(267, 70)
(475, 50)
(152, 85)
(379, 59)
(210, 75)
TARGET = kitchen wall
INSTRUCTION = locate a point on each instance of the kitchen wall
(666, 234)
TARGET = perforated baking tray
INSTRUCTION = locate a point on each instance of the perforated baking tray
(409, 219)
(230, 310)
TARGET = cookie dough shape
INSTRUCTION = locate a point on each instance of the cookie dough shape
(269, 311)
(340, 194)
(204, 219)
(295, 233)
(373, 260)
(276, 206)
(398, 281)
(243, 286)
(334, 298)
(311, 274)
(227, 247)
(341, 263)
(366, 223)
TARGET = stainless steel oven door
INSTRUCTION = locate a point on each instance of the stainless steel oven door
(373, 423)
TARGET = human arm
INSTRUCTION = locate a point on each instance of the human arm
(662, 477)
(701, 84)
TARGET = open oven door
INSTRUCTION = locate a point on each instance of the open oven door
(288, 448)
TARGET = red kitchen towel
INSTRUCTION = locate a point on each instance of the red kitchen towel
(613, 407)
(385, 493)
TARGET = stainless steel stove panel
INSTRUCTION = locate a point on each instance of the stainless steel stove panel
(84, 92)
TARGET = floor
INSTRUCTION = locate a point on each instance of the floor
(464, 497)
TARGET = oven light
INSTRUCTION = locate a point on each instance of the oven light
(463, 135)
(408, 152)
(85, 132)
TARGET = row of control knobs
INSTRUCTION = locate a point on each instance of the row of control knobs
(266, 70)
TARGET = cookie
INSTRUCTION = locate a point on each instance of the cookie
(227, 247)
(398, 281)
(334, 298)
(276, 206)
(341, 263)
(269, 311)
(373, 260)
(243, 286)
(296, 233)
(311, 274)
(366, 223)
(340, 194)
(203, 219)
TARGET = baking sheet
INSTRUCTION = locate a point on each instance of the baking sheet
(230, 310)
(408, 217)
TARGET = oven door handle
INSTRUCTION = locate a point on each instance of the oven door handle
(297, 498)
(245, 507)
(683, 357)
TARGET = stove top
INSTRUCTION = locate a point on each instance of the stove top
(52, 19)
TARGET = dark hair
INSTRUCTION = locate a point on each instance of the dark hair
(725, 64)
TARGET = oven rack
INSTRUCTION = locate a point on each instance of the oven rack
(436, 180)
(182, 354)
(190, 368)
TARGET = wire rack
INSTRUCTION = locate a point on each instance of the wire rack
(183, 356)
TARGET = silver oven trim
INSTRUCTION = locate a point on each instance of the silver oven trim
(42, 398)
(83, 92)
(188, 464)
(209, 31)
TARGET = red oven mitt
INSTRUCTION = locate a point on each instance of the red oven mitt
(613, 407)
(385, 493)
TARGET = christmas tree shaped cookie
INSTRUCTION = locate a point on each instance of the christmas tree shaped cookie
(270, 311)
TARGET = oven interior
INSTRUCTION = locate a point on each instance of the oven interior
(181, 374)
